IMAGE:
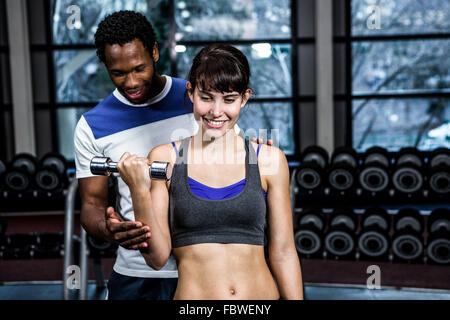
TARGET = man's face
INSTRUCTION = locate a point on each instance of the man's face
(131, 69)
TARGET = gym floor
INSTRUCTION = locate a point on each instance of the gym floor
(52, 290)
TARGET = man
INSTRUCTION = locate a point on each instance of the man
(145, 110)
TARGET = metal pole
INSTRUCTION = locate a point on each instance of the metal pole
(84, 266)
(68, 233)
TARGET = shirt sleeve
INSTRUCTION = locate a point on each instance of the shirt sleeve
(85, 149)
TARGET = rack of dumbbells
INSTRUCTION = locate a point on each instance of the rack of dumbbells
(28, 184)
(391, 207)
(35, 190)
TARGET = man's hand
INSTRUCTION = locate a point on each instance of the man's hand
(128, 234)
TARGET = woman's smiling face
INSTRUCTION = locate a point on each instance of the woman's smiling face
(217, 111)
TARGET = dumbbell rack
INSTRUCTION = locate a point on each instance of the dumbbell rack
(352, 271)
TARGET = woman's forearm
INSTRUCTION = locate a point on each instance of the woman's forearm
(287, 272)
(158, 251)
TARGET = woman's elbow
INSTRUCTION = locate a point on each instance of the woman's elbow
(156, 263)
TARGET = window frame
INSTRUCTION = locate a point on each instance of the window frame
(348, 39)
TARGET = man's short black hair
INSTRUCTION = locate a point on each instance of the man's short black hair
(123, 27)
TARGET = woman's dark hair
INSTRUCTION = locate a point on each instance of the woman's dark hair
(221, 68)
(123, 27)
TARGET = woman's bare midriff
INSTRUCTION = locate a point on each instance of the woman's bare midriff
(216, 271)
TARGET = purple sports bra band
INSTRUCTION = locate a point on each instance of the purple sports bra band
(206, 192)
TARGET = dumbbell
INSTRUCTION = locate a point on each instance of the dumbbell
(438, 242)
(340, 237)
(49, 245)
(99, 248)
(408, 173)
(373, 239)
(407, 242)
(439, 172)
(374, 172)
(308, 237)
(51, 172)
(18, 177)
(20, 246)
(104, 166)
(311, 172)
(342, 172)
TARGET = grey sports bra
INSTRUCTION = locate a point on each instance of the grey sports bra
(239, 219)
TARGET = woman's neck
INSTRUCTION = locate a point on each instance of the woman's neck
(220, 150)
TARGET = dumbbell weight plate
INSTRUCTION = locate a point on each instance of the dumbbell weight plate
(55, 161)
(439, 180)
(342, 219)
(373, 243)
(315, 154)
(341, 179)
(407, 179)
(440, 156)
(24, 161)
(309, 177)
(373, 178)
(407, 246)
(339, 243)
(17, 180)
(312, 219)
(439, 219)
(376, 155)
(438, 249)
(48, 179)
(307, 241)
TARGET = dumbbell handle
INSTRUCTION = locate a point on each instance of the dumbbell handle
(104, 166)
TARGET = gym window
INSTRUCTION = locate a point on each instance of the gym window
(397, 68)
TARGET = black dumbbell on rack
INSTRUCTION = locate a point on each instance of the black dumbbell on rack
(342, 172)
(50, 177)
(408, 176)
(20, 245)
(439, 173)
(340, 240)
(49, 245)
(311, 174)
(438, 241)
(373, 175)
(373, 239)
(19, 176)
(309, 235)
(407, 241)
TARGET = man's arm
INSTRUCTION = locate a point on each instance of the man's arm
(94, 200)
(102, 222)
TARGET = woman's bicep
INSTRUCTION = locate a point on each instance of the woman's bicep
(159, 191)
(279, 205)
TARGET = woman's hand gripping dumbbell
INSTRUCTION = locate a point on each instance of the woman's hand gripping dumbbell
(129, 234)
(104, 166)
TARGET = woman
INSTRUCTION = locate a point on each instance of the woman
(214, 210)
